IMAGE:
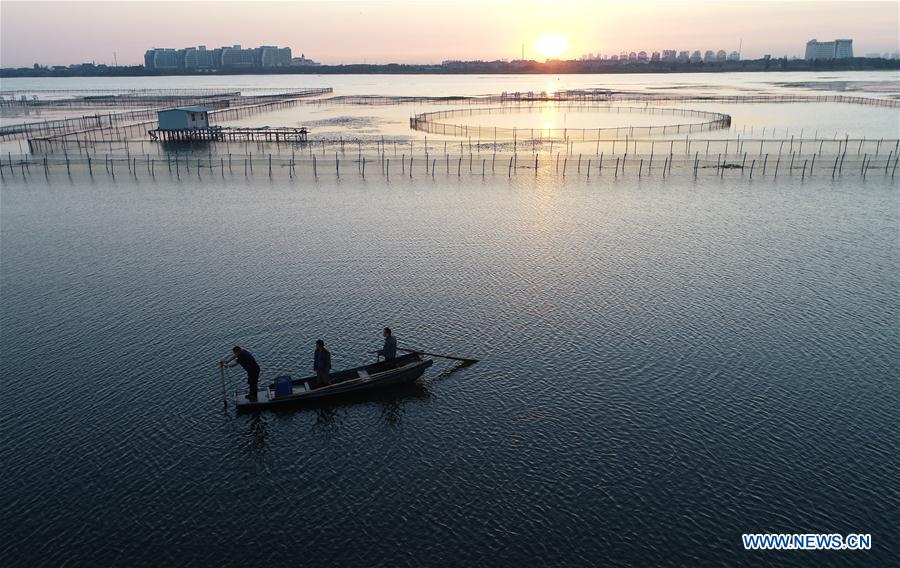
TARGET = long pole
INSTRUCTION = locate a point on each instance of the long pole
(222, 376)
(419, 351)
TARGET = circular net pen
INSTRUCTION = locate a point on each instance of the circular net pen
(429, 122)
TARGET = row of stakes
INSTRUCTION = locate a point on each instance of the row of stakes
(722, 164)
(843, 146)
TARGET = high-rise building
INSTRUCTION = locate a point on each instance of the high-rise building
(819, 49)
(695, 57)
(843, 48)
(709, 56)
(721, 55)
(271, 56)
(837, 49)
(235, 56)
(164, 59)
(683, 56)
(734, 56)
(654, 56)
(669, 55)
(200, 58)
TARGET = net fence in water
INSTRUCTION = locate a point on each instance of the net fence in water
(115, 125)
(310, 166)
(105, 131)
(602, 97)
(348, 148)
(427, 122)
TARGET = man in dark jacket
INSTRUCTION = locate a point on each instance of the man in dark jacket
(389, 351)
(321, 364)
(245, 359)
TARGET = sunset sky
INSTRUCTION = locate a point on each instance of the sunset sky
(60, 33)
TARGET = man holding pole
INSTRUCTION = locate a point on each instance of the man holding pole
(321, 364)
(245, 359)
(389, 351)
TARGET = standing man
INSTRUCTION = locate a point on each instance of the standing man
(322, 364)
(245, 359)
(389, 351)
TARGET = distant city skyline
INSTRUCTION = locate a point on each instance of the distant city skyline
(235, 56)
(431, 32)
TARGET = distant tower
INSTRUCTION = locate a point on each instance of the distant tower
(523, 52)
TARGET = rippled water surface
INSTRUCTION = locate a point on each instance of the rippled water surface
(665, 364)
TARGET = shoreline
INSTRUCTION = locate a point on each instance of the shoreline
(482, 68)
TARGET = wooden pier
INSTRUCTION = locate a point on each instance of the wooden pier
(224, 133)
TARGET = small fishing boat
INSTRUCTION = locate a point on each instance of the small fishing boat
(383, 374)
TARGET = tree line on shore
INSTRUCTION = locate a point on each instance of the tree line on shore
(480, 67)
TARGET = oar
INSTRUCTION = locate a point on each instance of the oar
(464, 360)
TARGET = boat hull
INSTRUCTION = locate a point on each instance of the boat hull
(367, 378)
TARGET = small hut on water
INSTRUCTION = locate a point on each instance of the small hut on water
(191, 123)
(184, 118)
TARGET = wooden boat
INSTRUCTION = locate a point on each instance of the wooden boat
(383, 374)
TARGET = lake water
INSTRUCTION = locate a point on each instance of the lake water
(363, 121)
(884, 84)
(665, 365)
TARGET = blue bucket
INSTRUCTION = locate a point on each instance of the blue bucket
(283, 386)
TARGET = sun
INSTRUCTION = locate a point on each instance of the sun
(552, 45)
